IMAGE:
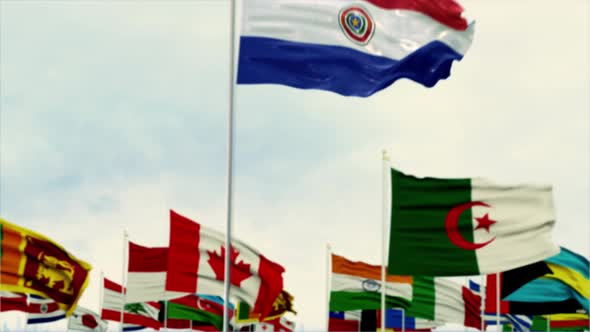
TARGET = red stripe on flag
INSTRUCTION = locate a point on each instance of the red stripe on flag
(491, 296)
(145, 259)
(111, 285)
(447, 12)
(472, 308)
(343, 325)
(17, 303)
(111, 315)
(130, 318)
(183, 254)
(581, 323)
(37, 308)
(271, 285)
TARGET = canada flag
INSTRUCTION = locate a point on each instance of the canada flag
(196, 258)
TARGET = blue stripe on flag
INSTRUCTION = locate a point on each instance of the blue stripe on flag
(133, 328)
(46, 319)
(214, 298)
(474, 286)
(521, 323)
(342, 70)
(393, 319)
(37, 297)
(337, 314)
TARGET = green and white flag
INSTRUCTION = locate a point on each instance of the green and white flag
(453, 227)
(444, 301)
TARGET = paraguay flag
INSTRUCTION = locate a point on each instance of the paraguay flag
(43, 310)
(351, 47)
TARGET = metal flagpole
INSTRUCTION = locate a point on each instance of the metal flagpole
(403, 321)
(123, 276)
(499, 327)
(548, 323)
(26, 314)
(384, 236)
(328, 274)
(230, 159)
(100, 292)
(165, 315)
(482, 292)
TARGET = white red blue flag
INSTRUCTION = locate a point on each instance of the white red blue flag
(43, 310)
(350, 47)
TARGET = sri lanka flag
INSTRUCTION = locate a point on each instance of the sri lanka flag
(351, 47)
(30, 263)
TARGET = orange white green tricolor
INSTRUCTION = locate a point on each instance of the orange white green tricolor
(33, 264)
(357, 285)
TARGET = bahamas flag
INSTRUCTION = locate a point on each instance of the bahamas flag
(568, 279)
(350, 47)
(33, 264)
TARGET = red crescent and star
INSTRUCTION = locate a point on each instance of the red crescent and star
(452, 221)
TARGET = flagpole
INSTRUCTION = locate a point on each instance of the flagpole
(100, 294)
(403, 321)
(384, 235)
(26, 315)
(230, 159)
(166, 315)
(548, 323)
(498, 285)
(123, 277)
(328, 273)
(482, 292)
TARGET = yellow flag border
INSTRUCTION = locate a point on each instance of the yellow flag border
(84, 264)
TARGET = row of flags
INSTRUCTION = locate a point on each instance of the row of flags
(464, 227)
(435, 301)
(430, 298)
(161, 283)
(40, 310)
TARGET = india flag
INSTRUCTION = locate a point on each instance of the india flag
(350, 47)
(357, 285)
(445, 227)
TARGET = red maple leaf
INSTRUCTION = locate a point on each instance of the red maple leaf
(239, 270)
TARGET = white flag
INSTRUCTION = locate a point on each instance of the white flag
(86, 320)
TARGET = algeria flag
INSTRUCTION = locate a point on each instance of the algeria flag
(446, 227)
(357, 285)
(196, 258)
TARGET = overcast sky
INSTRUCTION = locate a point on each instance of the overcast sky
(112, 113)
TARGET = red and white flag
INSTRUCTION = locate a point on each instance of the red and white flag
(13, 301)
(86, 320)
(196, 265)
(141, 313)
(146, 277)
